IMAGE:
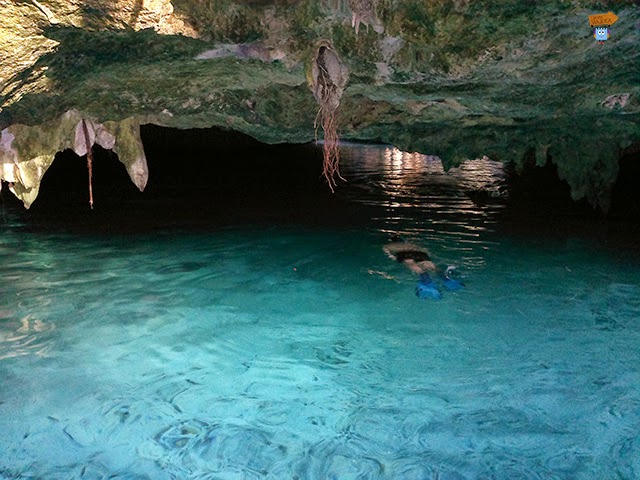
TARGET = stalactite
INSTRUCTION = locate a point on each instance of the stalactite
(364, 11)
(89, 160)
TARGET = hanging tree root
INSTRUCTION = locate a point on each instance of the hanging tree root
(85, 130)
(330, 147)
(328, 79)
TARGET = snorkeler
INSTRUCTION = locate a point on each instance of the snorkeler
(418, 260)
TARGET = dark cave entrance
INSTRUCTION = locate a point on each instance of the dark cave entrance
(207, 178)
(625, 196)
(198, 178)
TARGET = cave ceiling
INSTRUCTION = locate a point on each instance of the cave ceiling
(455, 78)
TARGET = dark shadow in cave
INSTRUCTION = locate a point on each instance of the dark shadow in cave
(203, 179)
(198, 179)
(537, 192)
(625, 196)
(539, 201)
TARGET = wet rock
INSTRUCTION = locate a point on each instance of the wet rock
(26, 152)
(446, 78)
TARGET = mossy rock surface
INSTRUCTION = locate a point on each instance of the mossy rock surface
(450, 77)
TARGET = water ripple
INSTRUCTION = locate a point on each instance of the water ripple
(271, 353)
(25, 336)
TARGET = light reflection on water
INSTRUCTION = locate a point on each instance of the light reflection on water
(413, 196)
(279, 352)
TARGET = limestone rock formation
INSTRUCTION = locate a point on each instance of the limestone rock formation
(26, 152)
(452, 78)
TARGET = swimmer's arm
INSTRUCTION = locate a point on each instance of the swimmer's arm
(389, 252)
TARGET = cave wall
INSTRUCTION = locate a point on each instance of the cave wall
(453, 78)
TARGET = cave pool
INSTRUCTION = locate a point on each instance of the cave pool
(298, 350)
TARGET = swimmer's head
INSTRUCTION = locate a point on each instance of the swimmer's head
(396, 238)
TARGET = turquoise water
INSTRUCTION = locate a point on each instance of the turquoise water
(293, 351)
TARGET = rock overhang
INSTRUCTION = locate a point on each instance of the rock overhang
(424, 77)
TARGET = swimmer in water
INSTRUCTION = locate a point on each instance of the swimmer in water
(415, 257)
(418, 260)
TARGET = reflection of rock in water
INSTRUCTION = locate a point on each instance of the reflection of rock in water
(411, 194)
(484, 197)
(481, 174)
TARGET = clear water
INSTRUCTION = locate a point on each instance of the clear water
(300, 351)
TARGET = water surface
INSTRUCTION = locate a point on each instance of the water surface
(284, 346)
